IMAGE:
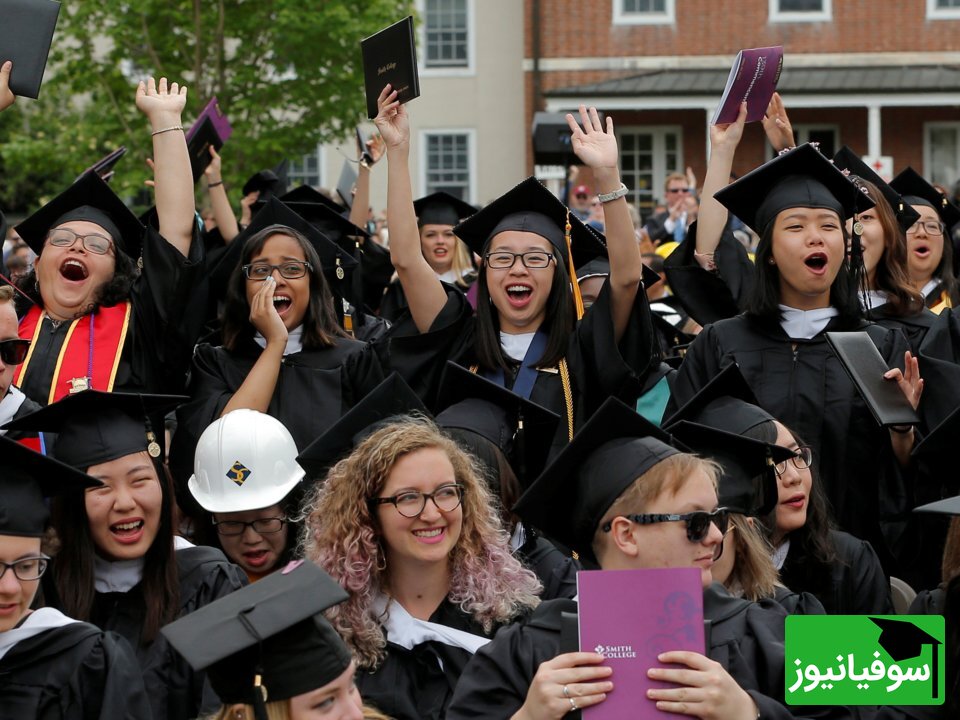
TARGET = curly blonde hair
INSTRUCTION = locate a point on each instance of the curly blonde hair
(341, 536)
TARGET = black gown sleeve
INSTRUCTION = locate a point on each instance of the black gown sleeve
(704, 359)
(862, 587)
(109, 678)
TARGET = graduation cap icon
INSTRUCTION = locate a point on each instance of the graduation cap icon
(903, 640)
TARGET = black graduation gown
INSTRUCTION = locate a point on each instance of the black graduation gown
(556, 571)
(745, 637)
(72, 672)
(410, 684)
(808, 390)
(856, 584)
(176, 691)
(162, 332)
(797, 603)
(599, 366)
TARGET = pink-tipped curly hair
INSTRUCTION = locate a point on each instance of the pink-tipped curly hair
(340, 535)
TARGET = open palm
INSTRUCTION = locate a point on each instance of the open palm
(158, 100)
(594, 145)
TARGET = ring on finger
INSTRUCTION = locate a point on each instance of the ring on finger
(566, 692)
(573, 704)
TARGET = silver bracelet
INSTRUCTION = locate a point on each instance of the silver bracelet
(615, 195)
(172, 127)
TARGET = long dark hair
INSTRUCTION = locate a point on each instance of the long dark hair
(320, 326)
(73, 573)
(559, 320)
(764, 300)
(944, 271)
(114, 290)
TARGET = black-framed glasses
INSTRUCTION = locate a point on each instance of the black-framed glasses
(411, 504)
(291, 270)
(263, 526)
(698, 523)
(26, 569)
(801, 460)
(504, 260)
(14, 352)
(932, 227)
(94, 242)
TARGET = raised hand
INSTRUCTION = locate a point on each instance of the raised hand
(213, 171)
(596, 147)
(910, 382)
(727, 137)
(149, 182)
(7, 98)
(246, 207)
(777, 125)
(376, 148)
(162, 104)
(264, 316)
(392, 120)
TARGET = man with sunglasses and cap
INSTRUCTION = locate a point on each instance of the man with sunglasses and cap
(13, 403)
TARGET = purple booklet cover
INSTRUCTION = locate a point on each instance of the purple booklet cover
(630, 617)
(220, 122)
(753, 78)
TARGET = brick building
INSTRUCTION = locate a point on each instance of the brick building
(882, 77)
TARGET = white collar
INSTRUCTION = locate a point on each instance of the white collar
(9, 406)
(37, 622)
(119, 576)
(805, 323)
(875, 298)
(516, 345)
(405, 630)
(930, 287)
(294, 341)
(780, 553)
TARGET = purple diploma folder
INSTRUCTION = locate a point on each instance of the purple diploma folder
(630, 617)
(753, 78)
(210, 128)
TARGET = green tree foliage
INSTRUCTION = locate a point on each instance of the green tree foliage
(287, 73)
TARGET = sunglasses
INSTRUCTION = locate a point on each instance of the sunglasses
(698, 523)
(14, 352)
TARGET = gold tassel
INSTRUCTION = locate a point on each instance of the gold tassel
(577, 298)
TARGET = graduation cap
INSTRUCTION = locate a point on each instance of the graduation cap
(95, 427)
(323, 213)
(26, 478)
(917, 191)
(521, 429)
(441, 208)
(726, 402)
(266, 182)
(210, 128)
(346, 183)
(903, 640)
(600, 267)
(268, 641)
(846, 159)
(613, 449)
(104, 166)
(390, 399)
(799, 178)
(91, 199)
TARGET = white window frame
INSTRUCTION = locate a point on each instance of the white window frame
(471, 134)
(776, 16)
(938, 13)
(660, 170)
(321, 153)
(928, 154)
(622, 17)
(470, 69)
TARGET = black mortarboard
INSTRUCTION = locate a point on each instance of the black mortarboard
(26, 478)
(726, 402)
(941, 441)
(3, 226)
(614, 448)
(391, 398)
(104, 166)
(799, 178)
(441, 208)
(267, 182)
(268, 641)
(600, 266)
(521, 429)
(748, 483)
(89, 198)
(324, 214)
(917, 191)
(346, 183)
(846, 159)
(903, 640)
(94, 427)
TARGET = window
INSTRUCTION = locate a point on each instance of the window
(447, 34)
(308, 170)
(647, 156)
(828, 136)
(800, 10)
(943, 9)
(448, 163)
(941, 153)
(643, 12)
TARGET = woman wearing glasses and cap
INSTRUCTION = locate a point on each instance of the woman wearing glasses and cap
(527, 333)
(109, 296)
(406, 524)
(51, 666)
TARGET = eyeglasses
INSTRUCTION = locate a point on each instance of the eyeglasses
(95, 243)
(291, 270)
(14, 352)
(698, 523)
(503, 260)
(932, 227)
(411, 504)
(678, 190)
(263, 526)
(26, 569)
(801, 461)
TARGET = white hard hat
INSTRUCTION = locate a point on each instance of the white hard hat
(244, 461)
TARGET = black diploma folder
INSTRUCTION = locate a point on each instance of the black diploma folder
(866, 366)
(390, 56)
(26, 33)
